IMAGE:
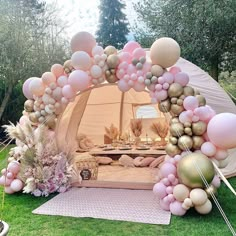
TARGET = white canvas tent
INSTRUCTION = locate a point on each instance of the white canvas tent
(99, 107)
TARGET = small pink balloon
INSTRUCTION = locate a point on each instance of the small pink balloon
(131, 46)
(125, 57)
(139, 87)
(221, 130)
(190, 103)
(10, 175)
(169, 190)
(158, 87)
(123, 86)
(131, 69)
(171, 178)
(165, 181)
(81, 60)
(182, 78)
(133, 76)
(146, 67)
(195, 118)
(62, 81)
(168, 77)
(48, 78)
(164, 205)
(165, 86)
(202, 112)
(139, 73)
(57, 93)
(23, 120)
(8, 190)
(162, 95)
(216, 181)
(68, 92)
(177, 209)
(171, 197)
(97, 50)
(78, 80)
(17, 185)
(57, 70)
(26, 90)
(159, 189)
(166, 169)
(123, 65)
(221, 154)
(138, 53)
(4, 181)
(208, 149)
(36, 86)
(174, 70)
(14, 167)
(161, 80)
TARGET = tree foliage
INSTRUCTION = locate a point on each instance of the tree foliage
(113, 25)
(205, 30)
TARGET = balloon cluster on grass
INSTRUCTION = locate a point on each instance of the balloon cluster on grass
(187, 176)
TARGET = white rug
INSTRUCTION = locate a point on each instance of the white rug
(113, 204)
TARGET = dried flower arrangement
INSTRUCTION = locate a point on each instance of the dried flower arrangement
(43, 169)
(161, 129)
(84, 143)
(136, 127)
(112, 132)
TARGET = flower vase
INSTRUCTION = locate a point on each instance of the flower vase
(5, 228)
(137, 141)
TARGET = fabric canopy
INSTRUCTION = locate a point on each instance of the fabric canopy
(96, 108)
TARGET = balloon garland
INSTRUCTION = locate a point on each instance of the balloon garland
(187, 177)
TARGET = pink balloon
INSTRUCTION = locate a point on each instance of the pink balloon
(165, 86)
(169, 189)
(17, 185)
(221, 154)
(123, 85)
(57, 93)
(78, 80)
(159, 189)
(182, 78)
(161, 80)
(36, 87)
(138, 53)
(190, 103)
(174, 70)
(57, 70)
(83, 41)
(131, 69)
(164, 205)
(26, 90)
(166, 169)
(221, 130)
(5, 181)
(125, 57)
(146, 67)
(168, 77)
(138, 87)
(14, 167)
(48, 78)
(81, 60)
(216, 181)
(195, 118)
(120, 74)
(202, 112)
(158, 87)
(177, 209)
(10, 175)
(162, 95)
(8, 190)
(123, 65)
(23, 120)
(97, 50)
(131, 46)
(68, 92)
(62, 81)
(208, 149)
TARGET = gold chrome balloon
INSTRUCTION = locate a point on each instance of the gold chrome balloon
(33, 118)
(176, 109)
(157, 70)
(173, 140)
(68, 66)
(176, 129)
(189, 167)
(29, 105)
(50, 121)
(197, 142)
(175, 90)
(185, 143)
(174, 120)
(188, 91)
(110, 76)
(211, 190)
(199, 128)
(188, 131)
(172, 150)
(109, 50)
(112, 61)
(201, 99)
(164, 106)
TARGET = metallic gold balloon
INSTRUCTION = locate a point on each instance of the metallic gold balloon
(172, 150)
(199, 128)
(157, 70)
(197, 142)
(33, 118)
(174, 100)
(211, 190)
(174, 120)
(187, 124)
(68, 66)
(109, 50)
(188, 131)
(164, 106)
(190, 167)
(180, 102)
(176, 129)
(201, 100)
(176, 109)
(185, 143)
(188, 91)
(112, 61)
(29, 105)
(175, 90)
(50, 121)
(196, 92)
(111, 78)
(173, 140)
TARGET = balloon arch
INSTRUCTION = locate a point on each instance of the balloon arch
(187, 177)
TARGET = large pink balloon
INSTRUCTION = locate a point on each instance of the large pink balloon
(68, 92)
(81, 60)
(57, 70)
(159, 189)
(36, 87)
(221, 130)
(131, 46)
(83, 41)
(190, 103)
(177, 209)
(79, 80)
(181, 78)
(26, 90)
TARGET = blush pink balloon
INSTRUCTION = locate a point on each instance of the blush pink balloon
(81, 60)
(23, 120)
(78, 80)
(5, 181)
(146, 67)
(8, 190)
(131, 69)
(131, 46)
(139, 87)
(159, 189)
(161, 80)
(123, 65)
(164, 205)
(125, 57)
(48, 78)
(166, 169)
(216, 181)
(190, 103)
(57, 93)
(202, 112)
(174, 70)
(57, 70)
(168, 77)
(68, 92)
(62, 81)
(183, 117)
(162, 95)
(221, 154)
(26, 90)
(123, 86)
(177, 209)
(138, 53)
(208, 149)
(182, 78)
(221, 130)
(158, 87)
(36, 87)
(17, 185)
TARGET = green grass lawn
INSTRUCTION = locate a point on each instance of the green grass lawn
(18, 214)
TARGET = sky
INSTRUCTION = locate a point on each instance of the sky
(83, 15)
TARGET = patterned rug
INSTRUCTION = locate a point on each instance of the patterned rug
(104, 203)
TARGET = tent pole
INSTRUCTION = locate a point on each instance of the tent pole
(121, 112)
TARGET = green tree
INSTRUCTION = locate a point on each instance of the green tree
(113, 25)
(205, 30)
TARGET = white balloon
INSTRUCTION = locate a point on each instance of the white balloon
(96, 71)
(48, 110)
(62, 81)
(97, 50)
(81, 60)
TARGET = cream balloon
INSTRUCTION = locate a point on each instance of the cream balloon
(198, 196)
(205, 208)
